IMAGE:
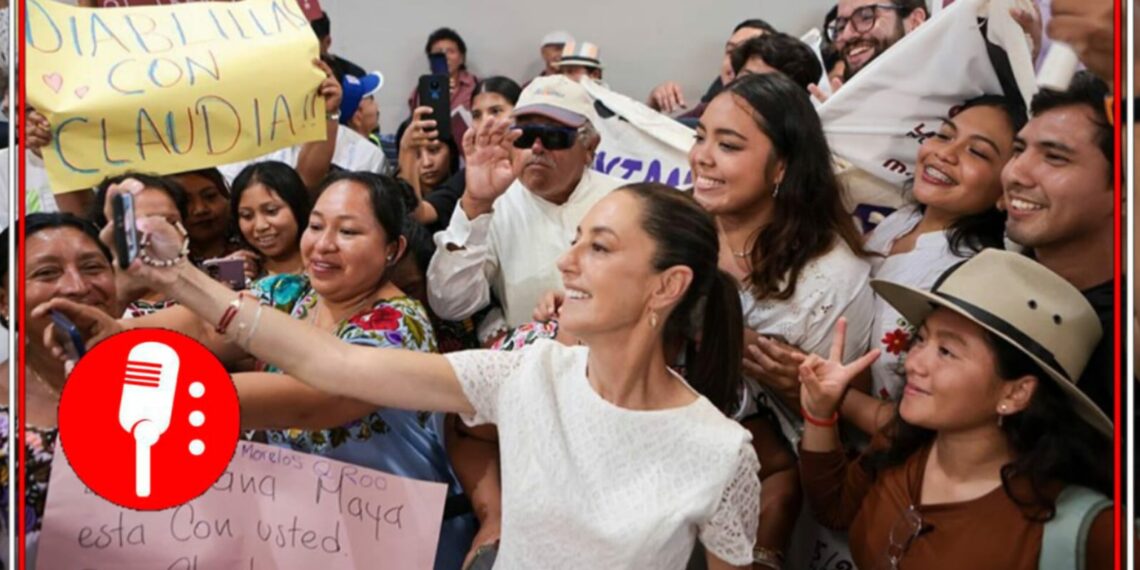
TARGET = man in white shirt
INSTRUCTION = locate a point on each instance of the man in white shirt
(511, 227)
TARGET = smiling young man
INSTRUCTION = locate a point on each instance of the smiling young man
(1059, 195)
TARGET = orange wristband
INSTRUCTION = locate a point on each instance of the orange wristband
(830, 422)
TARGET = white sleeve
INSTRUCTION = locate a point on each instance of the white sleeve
(459, 275)
(730, 534)
(481, 375)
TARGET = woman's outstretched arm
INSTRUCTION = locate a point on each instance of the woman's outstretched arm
(394, 378)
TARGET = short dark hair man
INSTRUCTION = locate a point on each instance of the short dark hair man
(778, 52)
(1061, 205)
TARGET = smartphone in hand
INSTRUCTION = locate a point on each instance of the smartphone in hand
(230, 272)
(484, 557)
(126, 235)
(435, 92)
(67, 335)
(438, 62)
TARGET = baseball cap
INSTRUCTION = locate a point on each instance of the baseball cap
(355, 90)
(557, 97)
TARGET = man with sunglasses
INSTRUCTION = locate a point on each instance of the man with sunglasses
(529, 182)
(864, 29)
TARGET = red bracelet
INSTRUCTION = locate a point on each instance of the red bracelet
(228, 316)
(830, 422)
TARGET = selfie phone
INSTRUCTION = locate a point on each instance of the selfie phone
(230, 272)
(435, 93)
(67, 335)
(438, 63)
(126, 235)
(484, 557)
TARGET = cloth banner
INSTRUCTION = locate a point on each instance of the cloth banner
(878, 120)
(168, 89)
(638, 144)
(273, 508)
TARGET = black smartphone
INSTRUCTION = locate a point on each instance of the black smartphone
(230, 272)
(67, 335)
(438, 62)
(435, 93)
(125, 234)
(484, 557)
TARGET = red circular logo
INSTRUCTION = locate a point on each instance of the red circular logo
(149, 419)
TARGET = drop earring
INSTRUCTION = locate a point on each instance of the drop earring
(653, 320)
(776, 192)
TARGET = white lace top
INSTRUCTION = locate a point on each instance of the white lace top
(587, 484)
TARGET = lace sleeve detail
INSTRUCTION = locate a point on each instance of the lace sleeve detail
(481, 374)
(730, 533)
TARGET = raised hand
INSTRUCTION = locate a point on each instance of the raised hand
(38, 132)
(489, 170)
(329, 88)
(667, 97)
(163, 242)
(824, 382)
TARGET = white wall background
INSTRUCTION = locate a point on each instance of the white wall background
(643, 42)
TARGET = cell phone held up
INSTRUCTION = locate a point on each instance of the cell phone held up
(229, 272)
(125, 234)
(435, 92)
(67, 335)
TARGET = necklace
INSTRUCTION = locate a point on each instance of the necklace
(742, 254)
(40, 380)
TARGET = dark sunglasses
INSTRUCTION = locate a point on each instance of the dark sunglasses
(553, 138)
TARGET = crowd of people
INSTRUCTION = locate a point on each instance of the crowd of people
(630, 375)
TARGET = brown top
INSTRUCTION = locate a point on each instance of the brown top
(988, 532)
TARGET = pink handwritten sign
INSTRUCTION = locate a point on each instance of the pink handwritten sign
(272, 509)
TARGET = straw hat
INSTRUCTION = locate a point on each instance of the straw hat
(1024, 304)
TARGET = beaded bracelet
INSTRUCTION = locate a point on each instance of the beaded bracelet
(183, 252)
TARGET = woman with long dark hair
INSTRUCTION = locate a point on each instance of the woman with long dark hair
(992, 439)
(761, 166)
(271, 206)
(610, 459)
(956, 189)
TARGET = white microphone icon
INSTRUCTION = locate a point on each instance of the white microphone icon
(149, 386)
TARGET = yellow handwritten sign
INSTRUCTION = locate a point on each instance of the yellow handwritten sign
(170, 88)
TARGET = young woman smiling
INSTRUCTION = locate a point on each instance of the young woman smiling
(352, 240)
(270, 202)
(762, 167)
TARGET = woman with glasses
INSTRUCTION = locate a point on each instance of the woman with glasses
(993, 445)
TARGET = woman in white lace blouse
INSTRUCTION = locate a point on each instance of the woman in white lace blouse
(609, 458)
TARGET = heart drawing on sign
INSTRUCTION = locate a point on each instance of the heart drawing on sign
(54, 81)
(81, 91)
